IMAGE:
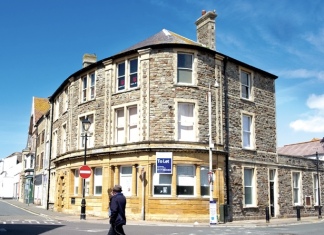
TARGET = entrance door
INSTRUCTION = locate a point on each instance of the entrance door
(272, 174)
(60, 194)
(29, 191)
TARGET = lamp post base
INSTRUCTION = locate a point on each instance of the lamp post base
(320, 212)
(83, 209)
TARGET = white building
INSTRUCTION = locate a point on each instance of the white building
(10, 168)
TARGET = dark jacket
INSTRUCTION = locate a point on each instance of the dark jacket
(117, 209)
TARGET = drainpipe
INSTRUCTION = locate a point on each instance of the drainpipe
(227, 166)
(34, 174)
(49, 159)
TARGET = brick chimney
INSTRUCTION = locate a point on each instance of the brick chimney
(88, 59)
(206, 29)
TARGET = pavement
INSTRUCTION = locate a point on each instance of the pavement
(60, 216)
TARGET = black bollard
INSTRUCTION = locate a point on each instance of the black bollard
(267, 214)
(298, 213)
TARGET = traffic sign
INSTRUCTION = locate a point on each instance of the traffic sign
(85, 171)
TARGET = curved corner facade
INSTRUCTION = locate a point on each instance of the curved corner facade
(144, 105)
(175, 123)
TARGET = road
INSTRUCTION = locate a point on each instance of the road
(16, 221)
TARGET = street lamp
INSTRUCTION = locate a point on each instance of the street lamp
(85, 126)
(210, 150)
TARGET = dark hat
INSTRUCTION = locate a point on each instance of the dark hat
(117, 188)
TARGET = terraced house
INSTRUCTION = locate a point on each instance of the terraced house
(169, 116)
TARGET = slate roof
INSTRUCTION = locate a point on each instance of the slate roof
(304, 149)
(163, 37)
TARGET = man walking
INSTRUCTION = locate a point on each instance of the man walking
(117, 210)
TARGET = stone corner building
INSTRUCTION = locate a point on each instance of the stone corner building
(149, 103)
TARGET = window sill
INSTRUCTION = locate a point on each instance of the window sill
(249, 149)
(125, 91)
(250, 207)
(161, 195)
(85, 102)
(247, 100)
(299, 206)
(185, 85)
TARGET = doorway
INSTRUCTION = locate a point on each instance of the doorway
(60, 194)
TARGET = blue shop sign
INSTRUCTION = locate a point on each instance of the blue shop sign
(164, 162)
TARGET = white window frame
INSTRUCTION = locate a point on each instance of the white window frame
(63, 137)
(187, 68)
(248, 131)
(84, 90)
(76, 182)
(188, 121)
(296, 188)
(249, 185)
(92, 79)
(88, 87)
(32, 161)
(204, 183)
(126, 127)
(315, 189)
(186, 177)
(120, 126)
(87, 186)
(97, 181)
(54, 144)
(90, 134)
(128, 74)
(56, 108)
(126, 180)
(133, 124)
(65, 99)
(162, 184)
(246, 86)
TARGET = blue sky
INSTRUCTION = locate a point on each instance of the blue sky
(42, 43)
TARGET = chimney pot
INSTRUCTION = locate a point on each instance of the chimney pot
(203, 12)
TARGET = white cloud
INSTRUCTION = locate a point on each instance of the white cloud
(302, 73)
(313, 124)
(316, 39)
(315, 121)
(316, 102)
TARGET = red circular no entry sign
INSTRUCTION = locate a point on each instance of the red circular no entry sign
(85, 171)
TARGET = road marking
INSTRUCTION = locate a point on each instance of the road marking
(29, 221)
(21, 208)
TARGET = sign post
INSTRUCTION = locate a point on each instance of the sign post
(85, 172)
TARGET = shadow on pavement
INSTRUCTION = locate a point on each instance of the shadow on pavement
(27, 229)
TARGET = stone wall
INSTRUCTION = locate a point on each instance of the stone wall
(307, 169)
(262, 156)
